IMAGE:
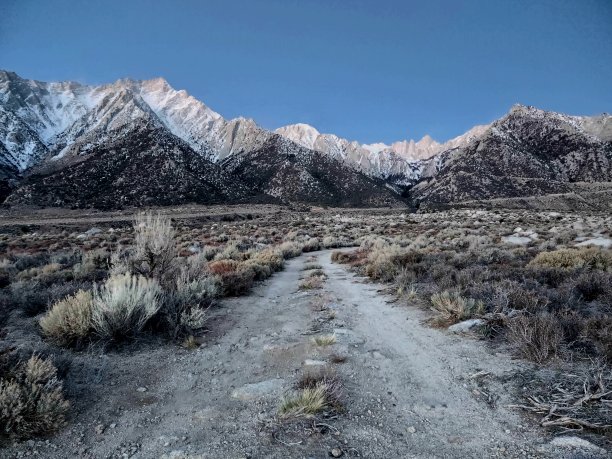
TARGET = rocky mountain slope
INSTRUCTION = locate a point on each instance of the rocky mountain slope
(283, 169)
(528, 152)
(147, 166)
(401, 162)
(133, 143)
(125, 143)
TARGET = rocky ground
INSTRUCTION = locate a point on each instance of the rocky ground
(409, 390)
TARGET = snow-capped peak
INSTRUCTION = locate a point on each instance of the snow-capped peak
(300, 133)
(310, 137)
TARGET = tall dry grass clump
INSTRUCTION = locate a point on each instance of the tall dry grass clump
(68, 322)
(154, 245)
(451, 307)
(31, 400)
(316, 392)
(124, 304)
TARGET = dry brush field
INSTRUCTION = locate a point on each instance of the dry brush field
(534, 286)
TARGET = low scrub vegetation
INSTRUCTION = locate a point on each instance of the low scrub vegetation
(316, 392)
(588, 257)
(124, 304)
(451, 307)
(311, 283)
(324, 340)
(547, 304)
(150, 287)
(538, 337)
(547, 300)
(310, 266)
(31, 400)
(112, 286)
(68, 322)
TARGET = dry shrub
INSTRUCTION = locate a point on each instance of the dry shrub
(272, 258)
(384, 263)
(524, 299)
(154, 246)
(451, 307)
(405, 283)
(317, 391)
(197, 290)
(69, 321)
(238, 282)
(537, 337)
(93, 265)
(344, 257)
(591, 285)
(381, 263)
(261, 271)
(316, 273)
(311, 245)
(290, 250)
(552, 277)
(588, 257)
(231, 252)
(237, 278)
(31, 400)
(31, 297)
(209, 252)
(331, 242)
(311, 283)
(184, 308)
(305, 403)
(123, 305)
(309, 266)
(575, 400)
(190, 343)
(222, 267)
(599, 331)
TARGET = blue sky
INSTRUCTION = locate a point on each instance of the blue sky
(365, 70)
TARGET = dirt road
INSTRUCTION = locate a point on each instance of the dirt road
(410, 391)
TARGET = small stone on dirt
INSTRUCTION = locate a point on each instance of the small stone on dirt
(141, 389)
(466, 325)
(336, 452)
(310, 362)
(411, 429)
(575, 442)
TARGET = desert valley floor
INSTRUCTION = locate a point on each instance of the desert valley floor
(363, 303)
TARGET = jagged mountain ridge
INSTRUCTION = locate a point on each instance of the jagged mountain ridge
(401, 162)
(60, 113)
(112, 145)
(58, 131)
(71, 117)
(528, 152)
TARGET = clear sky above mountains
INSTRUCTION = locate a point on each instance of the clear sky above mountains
(365, 70)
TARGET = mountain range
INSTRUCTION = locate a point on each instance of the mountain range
(135, 143)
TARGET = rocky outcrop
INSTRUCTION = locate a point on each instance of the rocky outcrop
(529, 152)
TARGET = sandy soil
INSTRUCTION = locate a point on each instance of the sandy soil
(410, 390)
